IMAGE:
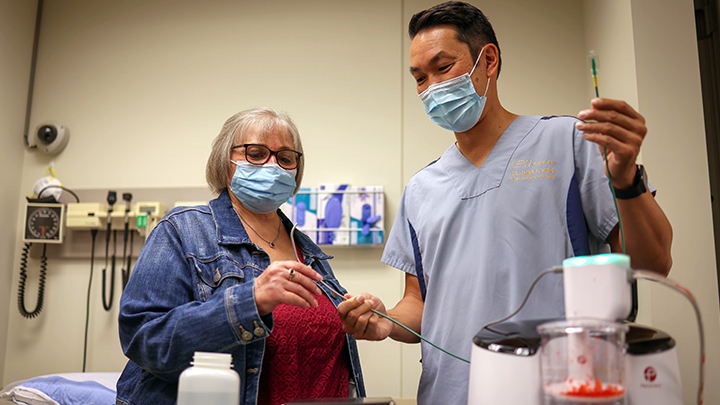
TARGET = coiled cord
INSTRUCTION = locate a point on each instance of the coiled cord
(41, 283)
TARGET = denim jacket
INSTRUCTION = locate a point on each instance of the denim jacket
(192, 290)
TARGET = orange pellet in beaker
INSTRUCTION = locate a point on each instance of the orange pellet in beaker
(594, 390)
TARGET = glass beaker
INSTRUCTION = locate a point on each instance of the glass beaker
(582, 362)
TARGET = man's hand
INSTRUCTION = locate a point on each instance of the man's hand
(615, 125)
(620, 129)
(360, 322)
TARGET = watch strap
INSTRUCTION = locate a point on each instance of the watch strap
(638, 187)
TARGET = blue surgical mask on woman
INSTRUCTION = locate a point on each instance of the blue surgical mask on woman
(262, 189)
(454, 104)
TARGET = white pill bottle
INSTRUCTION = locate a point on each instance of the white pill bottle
(210, 380)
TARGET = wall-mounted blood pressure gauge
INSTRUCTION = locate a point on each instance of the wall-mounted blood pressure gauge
(43, 223)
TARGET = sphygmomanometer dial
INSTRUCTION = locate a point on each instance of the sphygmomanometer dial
(43, 223)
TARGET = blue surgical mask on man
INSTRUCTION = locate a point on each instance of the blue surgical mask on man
(454, 104)
(262, 189)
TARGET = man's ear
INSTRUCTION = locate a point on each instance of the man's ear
(491, 59)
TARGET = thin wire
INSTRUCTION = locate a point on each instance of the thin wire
(125, 271)
(607, 165)
(647, 275)
(401, 325)
(292, 239)
(556, 269)
(61, 187)
(617, 210)
(93, 232)
(107, 306)
(33, 66)
(418, 335)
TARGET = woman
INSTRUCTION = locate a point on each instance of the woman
(235, 277)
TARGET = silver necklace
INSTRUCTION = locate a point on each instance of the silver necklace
(272, 244)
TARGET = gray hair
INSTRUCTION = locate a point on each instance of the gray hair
(265, 119)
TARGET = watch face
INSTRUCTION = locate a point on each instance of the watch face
(644, 176)
(43, 223)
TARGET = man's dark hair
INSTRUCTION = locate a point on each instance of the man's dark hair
(473, 28)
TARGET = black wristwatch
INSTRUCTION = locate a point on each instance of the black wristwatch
(638, 187)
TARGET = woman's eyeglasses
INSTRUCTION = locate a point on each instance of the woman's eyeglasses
(260, 154)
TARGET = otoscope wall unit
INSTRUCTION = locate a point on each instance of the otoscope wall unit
(146, 206)
(142, 216)
(339, 214)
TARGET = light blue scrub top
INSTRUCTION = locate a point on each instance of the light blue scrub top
(479, 236)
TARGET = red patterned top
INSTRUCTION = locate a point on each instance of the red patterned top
(305, 355)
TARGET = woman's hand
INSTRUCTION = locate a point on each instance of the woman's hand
(287, 282)
(358, 319)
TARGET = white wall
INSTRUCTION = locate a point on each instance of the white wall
(144, 86)
(17, 24)
(634, 41)
(669, 95)
(609, 36)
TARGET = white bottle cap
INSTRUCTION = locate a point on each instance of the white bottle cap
(214, 360)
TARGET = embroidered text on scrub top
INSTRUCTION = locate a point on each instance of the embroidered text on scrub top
(528, 170)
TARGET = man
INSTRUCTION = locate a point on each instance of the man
(515, 195)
